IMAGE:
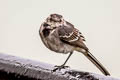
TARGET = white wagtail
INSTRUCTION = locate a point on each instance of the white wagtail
(62, 37)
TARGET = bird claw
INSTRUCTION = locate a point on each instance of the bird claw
(59, 68)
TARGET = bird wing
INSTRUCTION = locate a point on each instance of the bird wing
(70, 35)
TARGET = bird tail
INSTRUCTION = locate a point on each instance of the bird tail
(96, 63)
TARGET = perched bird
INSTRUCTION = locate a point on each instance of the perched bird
(62, 37)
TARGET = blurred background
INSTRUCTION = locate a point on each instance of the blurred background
(98, 20)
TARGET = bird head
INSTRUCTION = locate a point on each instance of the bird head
(54, 21)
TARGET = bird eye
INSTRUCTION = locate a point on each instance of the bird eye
(51, 19)
(45, 24)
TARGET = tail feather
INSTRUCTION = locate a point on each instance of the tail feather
(96, 63)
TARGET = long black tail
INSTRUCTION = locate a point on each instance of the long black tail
(96, 63)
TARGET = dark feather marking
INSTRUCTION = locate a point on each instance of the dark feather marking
(45, 25)
(46, 32)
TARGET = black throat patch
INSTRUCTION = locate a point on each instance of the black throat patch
(46, 32)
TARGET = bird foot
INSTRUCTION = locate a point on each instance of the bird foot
(59, 68)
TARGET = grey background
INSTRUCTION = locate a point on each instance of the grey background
(98, 20)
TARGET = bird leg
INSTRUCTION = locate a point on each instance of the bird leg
(63, 65)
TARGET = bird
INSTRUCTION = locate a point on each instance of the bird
(61, 36)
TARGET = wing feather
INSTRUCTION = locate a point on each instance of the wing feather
(72, 36)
